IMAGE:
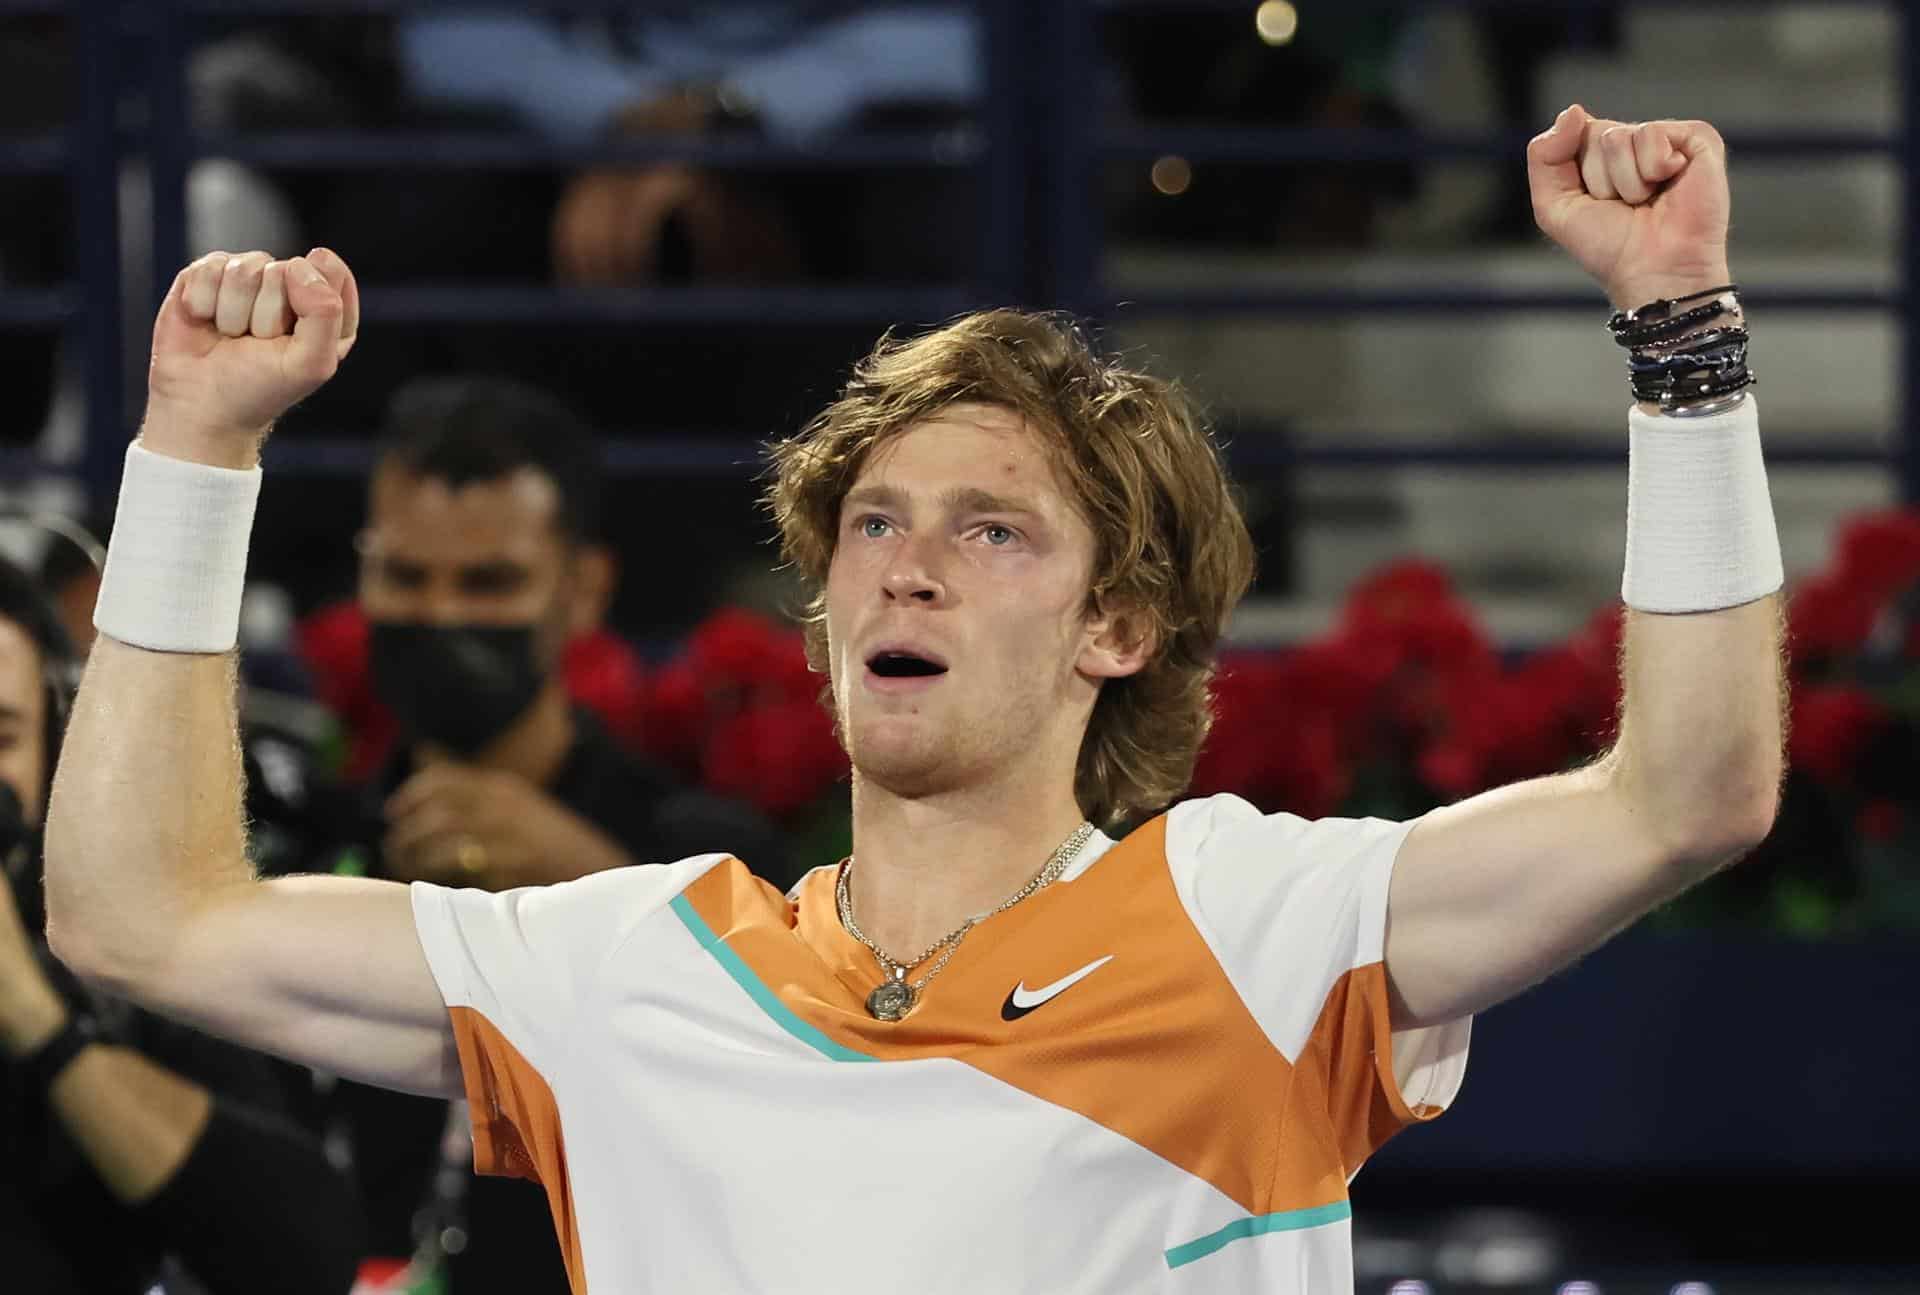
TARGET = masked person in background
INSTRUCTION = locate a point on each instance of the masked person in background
(479, 563)
(127, 1142)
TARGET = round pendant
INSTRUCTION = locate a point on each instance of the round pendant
(891, 1001)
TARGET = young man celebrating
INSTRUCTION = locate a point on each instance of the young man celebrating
(996, 1048)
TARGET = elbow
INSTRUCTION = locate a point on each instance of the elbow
(87, 957)
(1700, 825)
(106, 955)
(1729, 823)
(77, 948)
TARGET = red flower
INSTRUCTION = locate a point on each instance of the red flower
(1410, 582)
(780, 757)
(1832, 725)
(1274, 742)
(674, 723)
(1880, 552)
(1343, 676)
(735, 648)
(1452, 769)
(1411, 608)
(606, 676)
(1830, 616)
(333, 643)
(789, 677)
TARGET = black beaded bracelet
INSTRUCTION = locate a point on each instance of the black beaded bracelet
(1654, 311)
(43, 1066)
(1674, 326)
(1705, 339)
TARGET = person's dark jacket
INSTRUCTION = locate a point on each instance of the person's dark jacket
(255, 1206)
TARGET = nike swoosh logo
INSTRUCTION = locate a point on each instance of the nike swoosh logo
(1023, 1000)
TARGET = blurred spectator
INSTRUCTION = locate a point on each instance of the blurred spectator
(1211, 67)
(796, 69)
(134, 1140)
(69, 575)
(478, 567)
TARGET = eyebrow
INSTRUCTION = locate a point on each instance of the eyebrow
(970, 499)
(11, 714)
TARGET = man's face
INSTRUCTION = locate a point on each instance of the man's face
(23, 720)
(958, 546)
(485, 553)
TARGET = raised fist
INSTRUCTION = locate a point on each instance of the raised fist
(239, 340)
(1643, 207)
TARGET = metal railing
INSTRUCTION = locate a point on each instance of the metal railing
(1036, 145)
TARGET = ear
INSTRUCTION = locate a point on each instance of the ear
(596, 574)
(1118, 643)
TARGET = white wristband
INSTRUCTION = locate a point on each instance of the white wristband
(1700, 529)
(177, 563)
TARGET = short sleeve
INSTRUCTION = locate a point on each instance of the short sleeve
(1296, 912)
(520, 972)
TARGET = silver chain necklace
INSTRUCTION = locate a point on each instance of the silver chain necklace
(895, 996)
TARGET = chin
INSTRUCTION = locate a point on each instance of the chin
(906, 764)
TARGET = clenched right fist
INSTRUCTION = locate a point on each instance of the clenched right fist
(240, 340)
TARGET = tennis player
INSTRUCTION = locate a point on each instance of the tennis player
(1008, 1045)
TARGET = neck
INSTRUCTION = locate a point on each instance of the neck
(535, 746)
(924, 865)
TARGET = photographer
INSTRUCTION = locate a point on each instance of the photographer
(480, 561)
(125, 1141)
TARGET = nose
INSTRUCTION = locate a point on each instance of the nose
(914, 574)
(442, 607)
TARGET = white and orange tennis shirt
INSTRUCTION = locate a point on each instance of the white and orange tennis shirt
(1158, 1074)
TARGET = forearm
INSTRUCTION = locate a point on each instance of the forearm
(1702, 724)
(145, 825)
(136, 1122)
(1699, 754)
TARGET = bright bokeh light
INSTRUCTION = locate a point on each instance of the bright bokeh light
(1578, 1288)
(1172, 176)
(1411, 1286)
(1692, 1288)
(1276, 21)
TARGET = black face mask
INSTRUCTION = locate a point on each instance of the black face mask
(457, 686)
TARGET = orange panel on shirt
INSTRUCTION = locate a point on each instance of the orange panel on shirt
(516, 1125)
(1156, 1045)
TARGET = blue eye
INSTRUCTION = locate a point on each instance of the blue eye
(999, 536)
(874, 527)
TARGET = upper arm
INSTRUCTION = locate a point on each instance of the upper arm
(325, 971)
(1499, 891)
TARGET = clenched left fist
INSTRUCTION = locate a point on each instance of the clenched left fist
(1643, 207)
(239, 340)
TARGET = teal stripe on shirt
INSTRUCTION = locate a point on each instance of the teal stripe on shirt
(1291, 1221)
(769, 1002)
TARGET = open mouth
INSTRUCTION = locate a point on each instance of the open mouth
(904, 665)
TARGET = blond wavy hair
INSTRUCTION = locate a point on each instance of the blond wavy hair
(1172, 555)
